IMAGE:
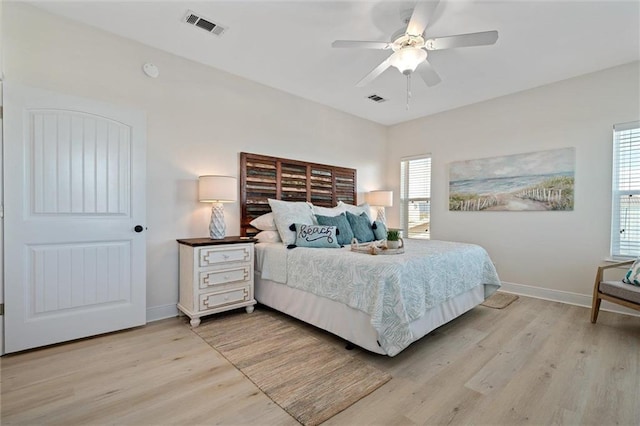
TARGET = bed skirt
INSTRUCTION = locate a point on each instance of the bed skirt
(351, 324)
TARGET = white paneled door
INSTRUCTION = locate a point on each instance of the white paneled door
(74, 249)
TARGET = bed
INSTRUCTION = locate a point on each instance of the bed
(381, 303)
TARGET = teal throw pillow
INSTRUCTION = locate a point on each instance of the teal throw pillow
(379, 230)
(633, 275)
(361, 227)
(316, 236)
(345, 234)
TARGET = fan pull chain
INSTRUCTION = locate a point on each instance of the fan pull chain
(408, 89)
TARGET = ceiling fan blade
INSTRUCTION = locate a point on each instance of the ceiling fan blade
(428, 74)
(484, 38)
(376, 71)
(383, 45)
(420, 17)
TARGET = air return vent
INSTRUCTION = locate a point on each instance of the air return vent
(206, 24)
(377, 99)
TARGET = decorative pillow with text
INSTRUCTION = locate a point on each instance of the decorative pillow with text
(317, 236)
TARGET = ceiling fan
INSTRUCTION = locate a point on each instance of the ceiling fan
(410, 47)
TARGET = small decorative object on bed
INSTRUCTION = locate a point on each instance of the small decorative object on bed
(375, 248)
(393, 239)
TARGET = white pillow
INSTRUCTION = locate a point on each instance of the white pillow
(327, 211)
(268, 237)
(357, 210)
(286, 213)
(264, 222)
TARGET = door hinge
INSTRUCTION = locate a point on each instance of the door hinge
(1, 211)
(1, 309)
(1, 112)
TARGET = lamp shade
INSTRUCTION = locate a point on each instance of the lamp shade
(408, 58)
(379, 198)
(217, 189)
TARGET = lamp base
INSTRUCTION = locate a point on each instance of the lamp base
(217, 227)
(381, 216)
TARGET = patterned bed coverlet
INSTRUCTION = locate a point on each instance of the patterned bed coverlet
(393, 289)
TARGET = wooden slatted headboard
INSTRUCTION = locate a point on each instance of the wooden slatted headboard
(263, 177)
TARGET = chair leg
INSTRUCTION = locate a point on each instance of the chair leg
(595, 304)
(595, 309)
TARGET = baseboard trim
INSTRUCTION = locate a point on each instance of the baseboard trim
(157, 313)
(564, 297)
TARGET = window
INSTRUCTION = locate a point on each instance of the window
(625, 217)
(415, 196)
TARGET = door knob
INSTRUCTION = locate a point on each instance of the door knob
(138, 228)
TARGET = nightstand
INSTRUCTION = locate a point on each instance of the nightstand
(215, 276)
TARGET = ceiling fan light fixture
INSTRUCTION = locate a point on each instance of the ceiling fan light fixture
(408, 58)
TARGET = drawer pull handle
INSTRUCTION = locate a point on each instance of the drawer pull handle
(226, 277)
(225, 256)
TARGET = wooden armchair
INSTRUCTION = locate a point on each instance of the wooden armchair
(613, 291)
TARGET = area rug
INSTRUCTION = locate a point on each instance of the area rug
(499, 300)
(308, 378)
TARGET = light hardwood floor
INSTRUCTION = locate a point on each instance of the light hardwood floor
(535, 362)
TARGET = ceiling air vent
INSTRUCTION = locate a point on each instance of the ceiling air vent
(376, 98)
(206, 24)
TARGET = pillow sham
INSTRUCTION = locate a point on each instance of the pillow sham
(357, 210)
(379, 230)
(345, 234)
(286, 213)
(361, 227)
(317, 236)
(633, 275)
(327, 211)
(264, 222)
(268, 237)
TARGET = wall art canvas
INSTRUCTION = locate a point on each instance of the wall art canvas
(541, 180)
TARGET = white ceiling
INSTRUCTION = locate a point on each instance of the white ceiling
(287, 45)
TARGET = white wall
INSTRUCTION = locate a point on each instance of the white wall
(550, 250)
(199, 119)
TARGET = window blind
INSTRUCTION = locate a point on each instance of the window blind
(625, 217)
(415, 197)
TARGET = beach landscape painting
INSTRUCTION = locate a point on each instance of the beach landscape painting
(540, 181)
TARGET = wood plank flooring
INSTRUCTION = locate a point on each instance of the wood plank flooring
(534, 362)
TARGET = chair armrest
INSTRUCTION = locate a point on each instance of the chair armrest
(601, 269)
(615, 265)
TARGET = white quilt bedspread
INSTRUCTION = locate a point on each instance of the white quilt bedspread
(393, 289)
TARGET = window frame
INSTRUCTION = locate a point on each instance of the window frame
(617, 192)
(405, 201)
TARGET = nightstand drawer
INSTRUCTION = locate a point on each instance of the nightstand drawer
(216, 256)
(212, 278)
(213, 300)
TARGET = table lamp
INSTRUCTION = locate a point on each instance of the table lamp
(380, 199)
(217, 190)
